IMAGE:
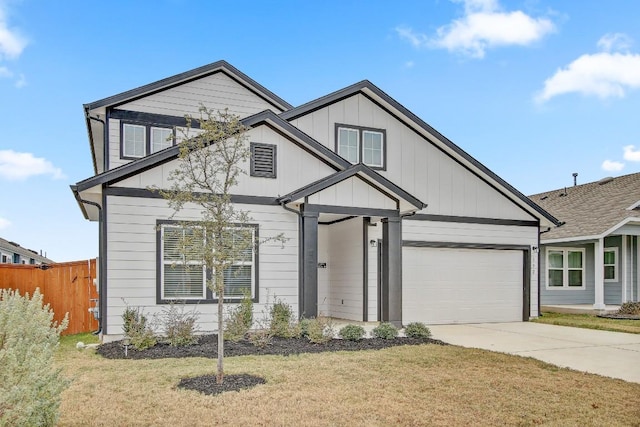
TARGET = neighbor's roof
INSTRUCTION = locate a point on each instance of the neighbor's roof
(591, 210)
(14, 248)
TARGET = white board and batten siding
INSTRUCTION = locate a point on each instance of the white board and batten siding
(131, 255)
(413, 163)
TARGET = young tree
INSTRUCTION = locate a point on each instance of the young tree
(209, 163)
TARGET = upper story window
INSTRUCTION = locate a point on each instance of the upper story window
(361, 145)
(140, 140)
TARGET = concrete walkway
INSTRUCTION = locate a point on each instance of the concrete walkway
(612, 354)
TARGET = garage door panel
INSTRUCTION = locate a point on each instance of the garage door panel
(446, 285)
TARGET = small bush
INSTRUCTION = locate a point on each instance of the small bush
(303, 327)
(260, 337)
(30, 387)
(239, 320)
(281, 315)
(136, 331)
(179, 327)
(352, 332)
(385, 330)
(632, 308)
(417, 330)
(320, 330)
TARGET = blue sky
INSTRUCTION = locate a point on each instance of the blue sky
(533, 89)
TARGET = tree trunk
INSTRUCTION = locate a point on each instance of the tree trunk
(220, 286)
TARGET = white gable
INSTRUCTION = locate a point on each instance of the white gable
(414, 163)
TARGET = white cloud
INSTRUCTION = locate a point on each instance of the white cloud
(12, 43)
(615, 42)
(19, 166)
(4, 223)
(483, 26)
(631, 154)
(609, 73)
(612, 166)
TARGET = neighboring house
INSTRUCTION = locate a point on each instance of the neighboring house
(13, 253)
(386, 219)
(593, 257)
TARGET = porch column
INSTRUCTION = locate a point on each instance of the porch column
(622, 262)
(598, 267)
(392, 270)
(309, 288)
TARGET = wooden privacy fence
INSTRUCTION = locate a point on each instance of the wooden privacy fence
(66, 287)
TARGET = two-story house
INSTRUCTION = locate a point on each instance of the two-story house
(385, 218)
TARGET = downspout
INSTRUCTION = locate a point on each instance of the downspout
(102, 267)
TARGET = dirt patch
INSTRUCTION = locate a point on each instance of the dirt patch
(207, 346)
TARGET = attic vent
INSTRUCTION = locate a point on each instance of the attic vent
(263, 160)
(606, 180)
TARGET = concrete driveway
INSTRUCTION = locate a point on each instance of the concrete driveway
(612, 354)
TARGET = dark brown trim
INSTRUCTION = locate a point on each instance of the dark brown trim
(208, 292)
(156, 120)
(472, 220)
(103, 273)
(349, 210)
(346, 218)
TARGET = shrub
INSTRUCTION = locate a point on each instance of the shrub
(179, 327)
(385, 330)
(239, 320)
(320, 330)
(632, 308)
(352, 332)
(281, 315)
(260, 337)
(136, 331)
(303, 327)
(30, 387)
(417, 330)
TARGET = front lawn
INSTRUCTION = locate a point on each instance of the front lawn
(590, 321)
(407, 385)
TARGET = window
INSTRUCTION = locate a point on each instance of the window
(357, 144)
(263, 160)
(139, 140)
(565, 268)
(611, 264)
(182, 274)
(5, 259)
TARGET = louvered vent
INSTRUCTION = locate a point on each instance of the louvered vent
(263, 160)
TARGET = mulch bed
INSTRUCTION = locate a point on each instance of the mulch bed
(207, 346)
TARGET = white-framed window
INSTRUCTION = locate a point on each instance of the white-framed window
(349, 144)
(182, 274)
(138, 140)
(133, 140)
(161, 138)
(357, 144)
(565, 268)
(611, 264)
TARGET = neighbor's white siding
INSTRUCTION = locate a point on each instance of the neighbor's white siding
(450, 232)
(131, 256)
(217, 91)
(414, 163)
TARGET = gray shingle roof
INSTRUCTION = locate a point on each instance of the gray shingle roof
(590, 209)
(10, 247)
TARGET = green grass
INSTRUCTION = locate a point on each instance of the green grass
(590, 321)
(68, 342)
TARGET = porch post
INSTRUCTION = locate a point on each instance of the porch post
(392, 270)
(623, 269)
(309, 264)
(598, 269)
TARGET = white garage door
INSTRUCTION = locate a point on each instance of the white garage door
(442, 285)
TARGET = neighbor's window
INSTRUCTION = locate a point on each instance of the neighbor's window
(611, 264)
(183, 274)
(357, 144)
(133, 140)
(565, 268)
